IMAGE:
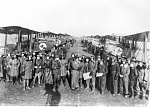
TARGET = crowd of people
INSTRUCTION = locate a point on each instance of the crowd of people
(121, 75)
(118, 75)
(37, 66)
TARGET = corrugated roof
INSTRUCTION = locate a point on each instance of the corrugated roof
(16, 29)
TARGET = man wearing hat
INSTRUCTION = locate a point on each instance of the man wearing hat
(115, 72)
(92, 67)
(101, 69)
(8, 57)
(124, 75)
(63, 63)
(38, 70)
(14, 68)
(27, 69)
(74, 74)
(56, 72)
(86, 70)
(64, 50)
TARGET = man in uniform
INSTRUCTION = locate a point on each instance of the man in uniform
(101, 68)
(86, 70)
(92, 67)
(8, 77)
(81, 68)
(132, 79)
(38, 70)
(75, 74)
(115, 72)
(69, 68)
(56, 72)
(124, 74)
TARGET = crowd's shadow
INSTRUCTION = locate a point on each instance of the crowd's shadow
(53, 98)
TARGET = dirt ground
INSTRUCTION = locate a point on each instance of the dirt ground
(13, 95)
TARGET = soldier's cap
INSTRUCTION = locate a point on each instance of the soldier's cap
(98, 56)
(56, 56)
(133, 57)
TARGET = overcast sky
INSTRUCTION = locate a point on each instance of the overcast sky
(78, 17)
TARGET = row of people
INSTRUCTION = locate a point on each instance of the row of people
(117, 75)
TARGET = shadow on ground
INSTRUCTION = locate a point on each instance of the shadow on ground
(53, 98)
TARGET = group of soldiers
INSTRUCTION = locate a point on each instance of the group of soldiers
(118, 75)
(43, 66)
(122, 76)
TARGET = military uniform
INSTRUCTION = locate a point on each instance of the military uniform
(93, 68)
(102, 79)
(140, 72)
(27, 68)
(86, 70)
(125, 71)
(132, 79)
(75, 75)
(56, 73)
(38, 71)
(14, 67)
(63, 70)
(48, 71)
(8, 78)
(115, 72)
(81, 68)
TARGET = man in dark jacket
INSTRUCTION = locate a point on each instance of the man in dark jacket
(115, 72)
(101, 74)
(56, 72)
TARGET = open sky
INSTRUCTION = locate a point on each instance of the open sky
(78, 17)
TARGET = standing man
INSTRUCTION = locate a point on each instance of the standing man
(125, 71)
(27, 69)
(115, 72)
(8, 77)
(38, 70)
(14, 68)
(56, 72)
(86, 70)
(108, 76)
(101, 69)
(92, 67)
(81, 68)
(132, 78)
(63, 63)
(75, 74)
(69, 68)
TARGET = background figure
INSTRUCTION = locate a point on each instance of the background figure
(8, 77)
(1, 68)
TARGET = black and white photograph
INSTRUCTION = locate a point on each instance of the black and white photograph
(75, 53)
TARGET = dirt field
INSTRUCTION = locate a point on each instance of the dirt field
(12, 95)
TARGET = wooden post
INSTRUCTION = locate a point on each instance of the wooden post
(28, 40)
(19, 41)
(5, 42)
(145, 47)
(30, 48)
